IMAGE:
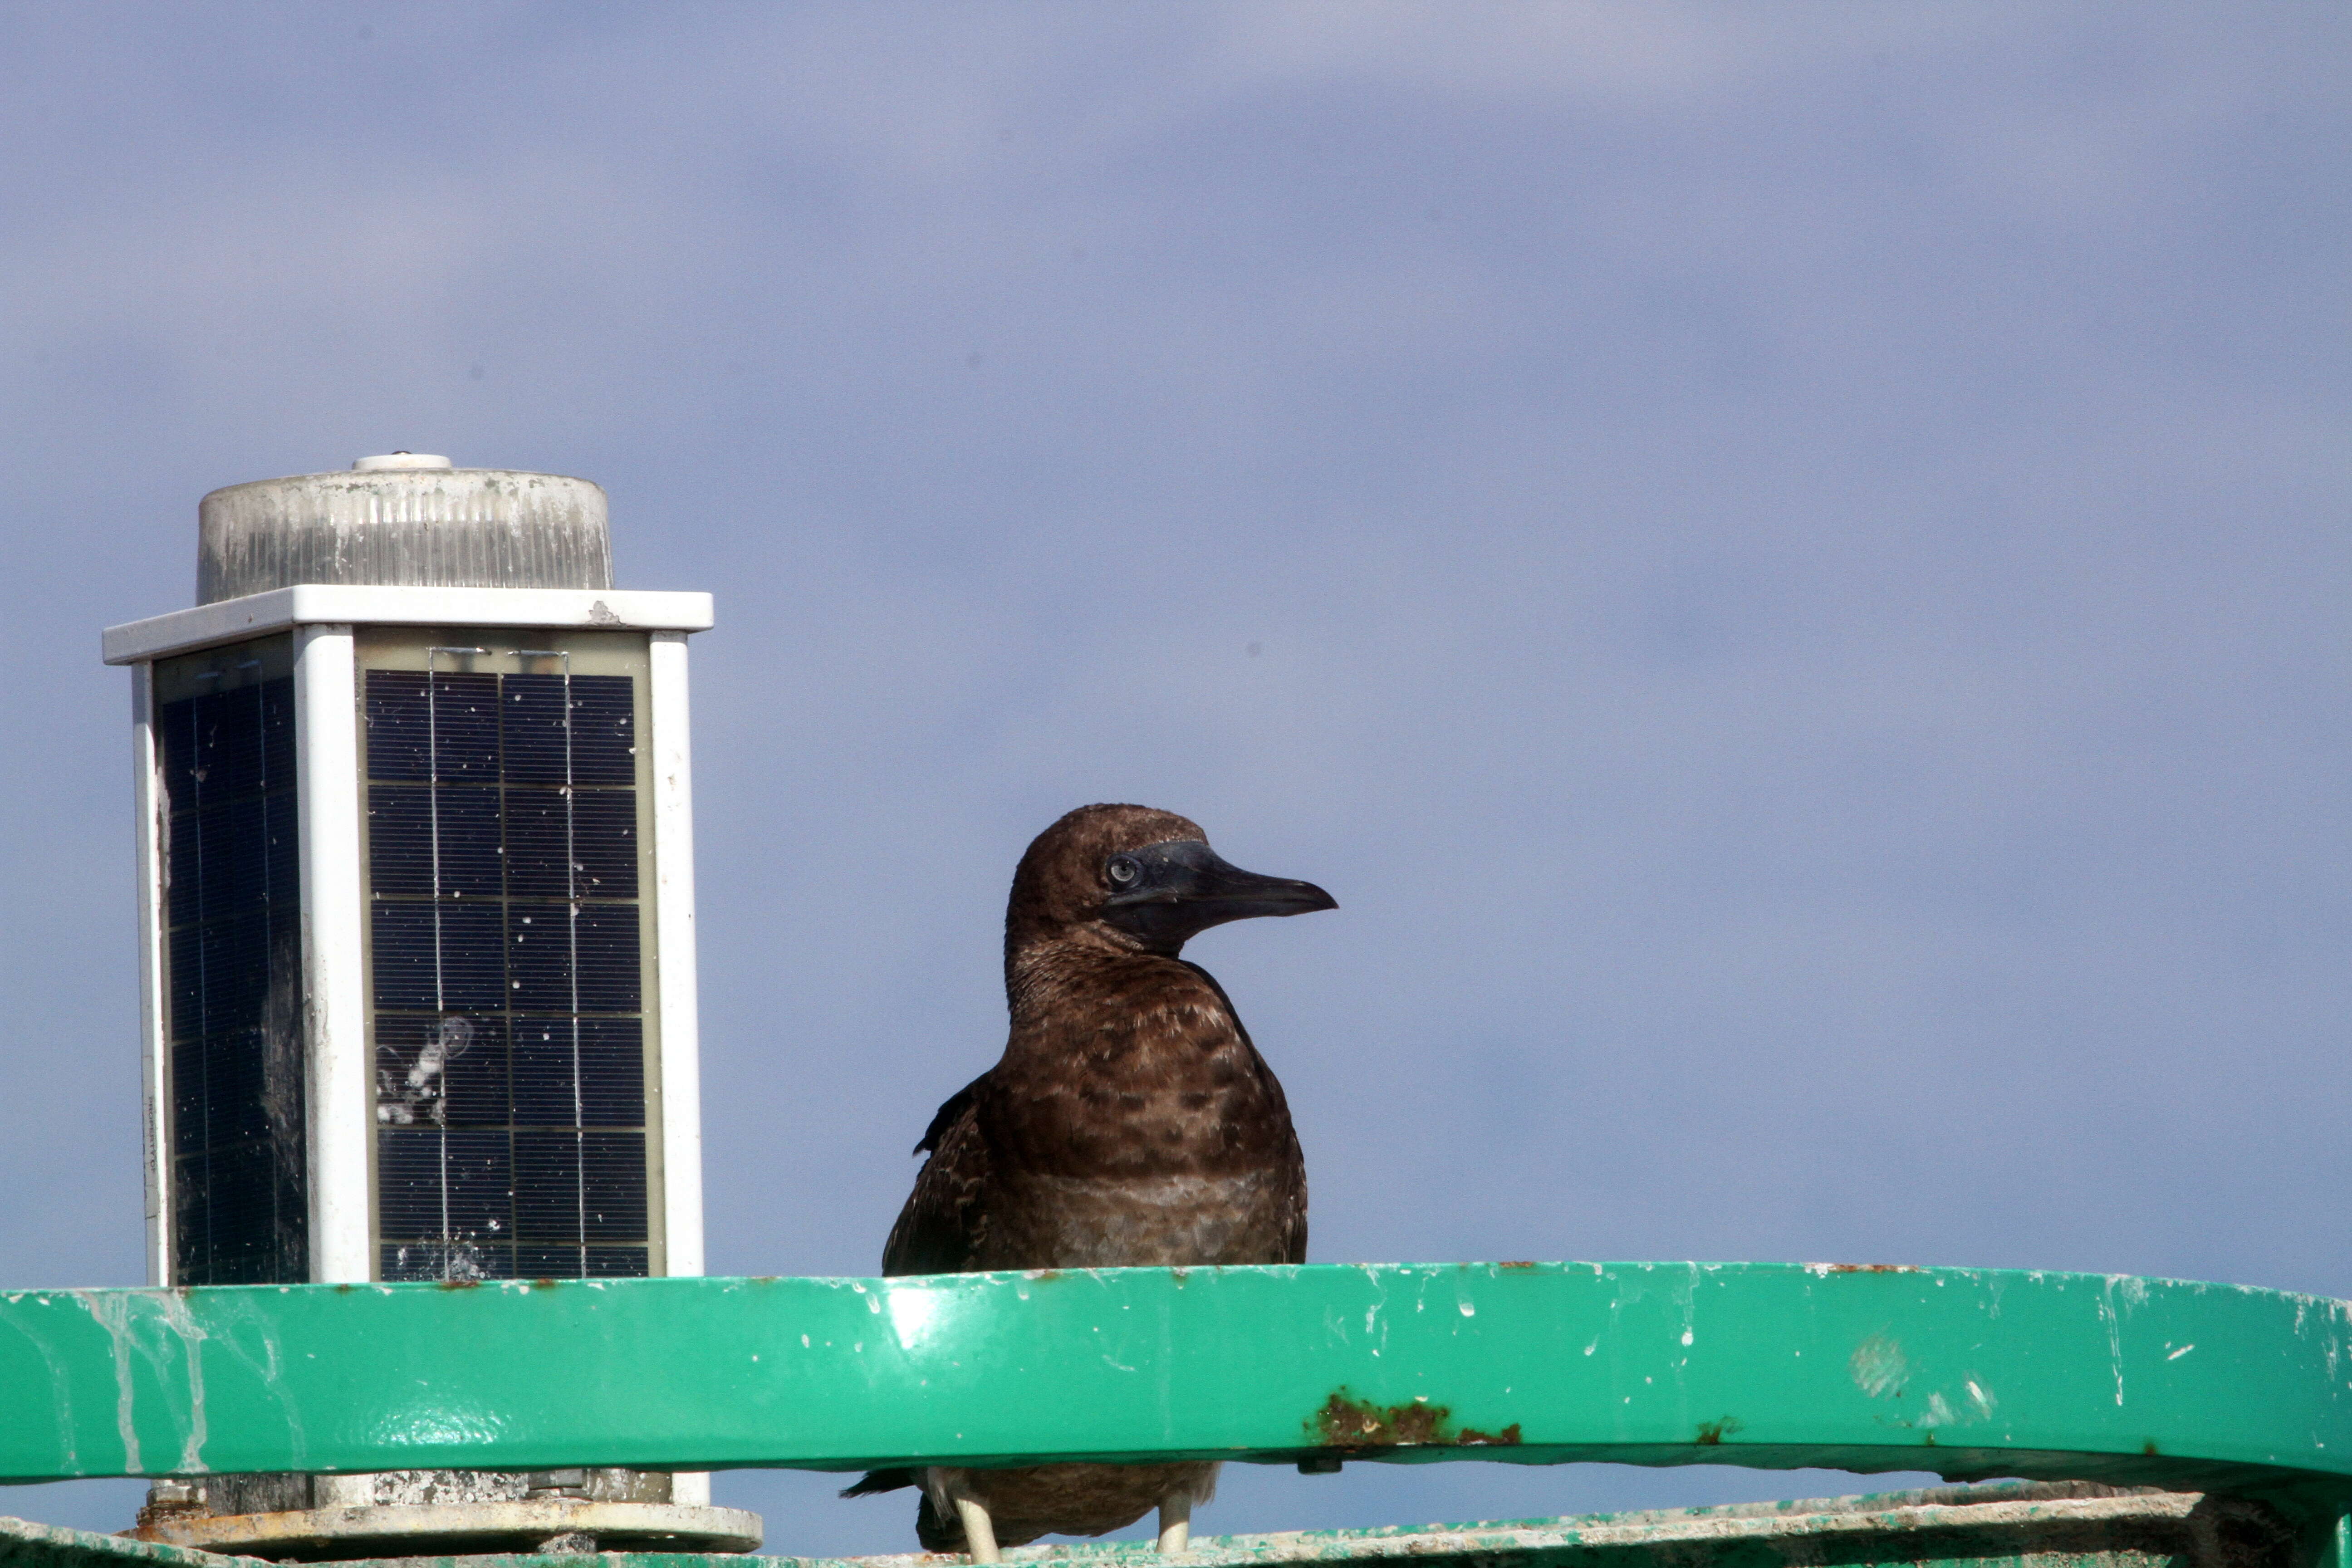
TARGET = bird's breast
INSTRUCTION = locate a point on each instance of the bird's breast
(1050, 1221)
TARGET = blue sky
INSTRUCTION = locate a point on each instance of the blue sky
(1786, 565)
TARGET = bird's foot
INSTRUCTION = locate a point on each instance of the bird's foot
(1175, 1526)
(979, 1531)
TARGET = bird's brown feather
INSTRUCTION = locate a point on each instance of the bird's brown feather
(943, 1226)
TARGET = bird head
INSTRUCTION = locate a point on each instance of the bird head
(1138, 879)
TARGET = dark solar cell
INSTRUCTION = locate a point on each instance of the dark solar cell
(605, 843)
(613, 1167)
(577, 1262)
(183, 864)
(510, 1042)
(548, 1187)
(233, 987)
(616, 1263)
(237, 971)
(408, 1183)
(241, 1188)
(535, 732)
(245, 854)
(446, 1185)
(606, 940)
(236, 1089)
(538, 741)
(234, 854)
(194, 1258)
(599, 747)
(572, 1187)
(450, 731)
(480, 1178)
(604, 733)
(228, 740)
(398, 730)
(574, 958)
(588, 1072)
(184, 950)
(579, 843)
(458, 821)
(436, 958)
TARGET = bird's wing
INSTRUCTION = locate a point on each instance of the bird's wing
(950, 1113)
(940, 1229)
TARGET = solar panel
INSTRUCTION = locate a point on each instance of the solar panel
(508, 976)
(233, 954)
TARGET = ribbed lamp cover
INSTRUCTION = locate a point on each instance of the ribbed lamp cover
(427, 527)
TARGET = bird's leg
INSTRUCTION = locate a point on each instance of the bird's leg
(979, 1532)
(1175, 1523)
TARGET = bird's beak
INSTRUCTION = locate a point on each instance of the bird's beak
(1183, 888)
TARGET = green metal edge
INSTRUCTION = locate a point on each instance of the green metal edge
(1963, 1373)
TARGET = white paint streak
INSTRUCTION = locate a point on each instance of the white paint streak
(2114, 1317)
(60, 1389)
(192, 1336)
(1878, 1366)
(112, 1312)
(233, 1311)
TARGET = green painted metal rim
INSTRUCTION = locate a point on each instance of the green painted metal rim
(1964, 1373)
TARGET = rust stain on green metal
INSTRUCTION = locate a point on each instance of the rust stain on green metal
(1470, 1438)
(1349, 1422)
(1869, 1267)
(1712, 1433)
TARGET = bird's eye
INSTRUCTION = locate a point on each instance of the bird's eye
(1124, 870)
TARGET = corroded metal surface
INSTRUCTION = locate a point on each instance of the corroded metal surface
(24, 1545)
(2049, 1526)
(441, 1528)
(1967, 1373)
(2066, 1525)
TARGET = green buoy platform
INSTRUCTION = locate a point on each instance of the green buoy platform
(2138, 1420)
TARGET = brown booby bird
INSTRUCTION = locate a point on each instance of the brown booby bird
(1129, 1122)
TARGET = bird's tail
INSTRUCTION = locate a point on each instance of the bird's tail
(938, 1530)
(882, 1481)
